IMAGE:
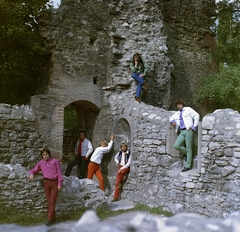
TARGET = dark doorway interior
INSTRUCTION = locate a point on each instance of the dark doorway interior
(79, 115)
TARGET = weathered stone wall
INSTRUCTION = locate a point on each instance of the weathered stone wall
(20, 146)
(20, 141)
(90, 51)
(94, 42)
(91, 43)
(19, 194)
(190, 42)
(155, 178)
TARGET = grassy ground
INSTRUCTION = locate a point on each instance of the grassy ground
(10, 217)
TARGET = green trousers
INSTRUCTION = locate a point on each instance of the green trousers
(187, 137)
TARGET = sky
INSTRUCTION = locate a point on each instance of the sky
(56, 3)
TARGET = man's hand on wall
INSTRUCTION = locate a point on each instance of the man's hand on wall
(31, 177)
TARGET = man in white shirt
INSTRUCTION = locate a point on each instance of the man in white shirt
(96, 159)
(83, 149)
(123, 159)
(186, 119)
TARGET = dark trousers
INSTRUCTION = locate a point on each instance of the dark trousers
(51, 191)
(83, 164)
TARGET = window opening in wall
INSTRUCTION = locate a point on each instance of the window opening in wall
(95, 79)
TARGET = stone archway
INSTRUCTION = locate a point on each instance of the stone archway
(49, 112)
(123, 133)
(87, 113)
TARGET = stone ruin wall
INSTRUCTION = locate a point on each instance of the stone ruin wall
(20, 146)
(90, 51)
(190, 42)
(89, 54)
(155, 178)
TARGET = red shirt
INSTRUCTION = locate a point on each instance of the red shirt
(80, 147)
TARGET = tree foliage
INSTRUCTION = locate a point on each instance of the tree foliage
(22, 49)
(227, 27)
(222, 90)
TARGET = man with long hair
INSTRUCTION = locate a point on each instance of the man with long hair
(139, 68)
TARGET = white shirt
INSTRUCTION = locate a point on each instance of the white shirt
(122, 162)
(86, 147)
(190, 117)
(99, 152)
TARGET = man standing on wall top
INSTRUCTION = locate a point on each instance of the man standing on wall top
(186, 119)
(83, 149)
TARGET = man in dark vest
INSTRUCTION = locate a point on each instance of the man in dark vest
(123, 159)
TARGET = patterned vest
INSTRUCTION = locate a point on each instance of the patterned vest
(126, 157)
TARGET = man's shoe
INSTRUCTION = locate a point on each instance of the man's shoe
(53, 220)
(138, 99)
(49, 223)
(114, 199)
(185, 169)
(145, 85)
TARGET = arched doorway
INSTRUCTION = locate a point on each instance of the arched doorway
(122, 131)
(79, 115)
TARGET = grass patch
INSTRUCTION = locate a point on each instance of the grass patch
(104, 213)
(154, 210)
(10, 217)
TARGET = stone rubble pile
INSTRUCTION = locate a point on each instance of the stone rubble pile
(18, 193)
(142, 222)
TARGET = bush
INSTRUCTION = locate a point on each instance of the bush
(220, 91)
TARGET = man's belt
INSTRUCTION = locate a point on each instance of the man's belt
(94, 163)
(52, 180)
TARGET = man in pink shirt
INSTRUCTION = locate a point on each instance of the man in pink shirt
(53, 180)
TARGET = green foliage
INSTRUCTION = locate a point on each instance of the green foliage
(227, 27)
(70, 118)
(154, 210)
(21, 47)
(9, 216)
(104, 212)
(221, 90)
